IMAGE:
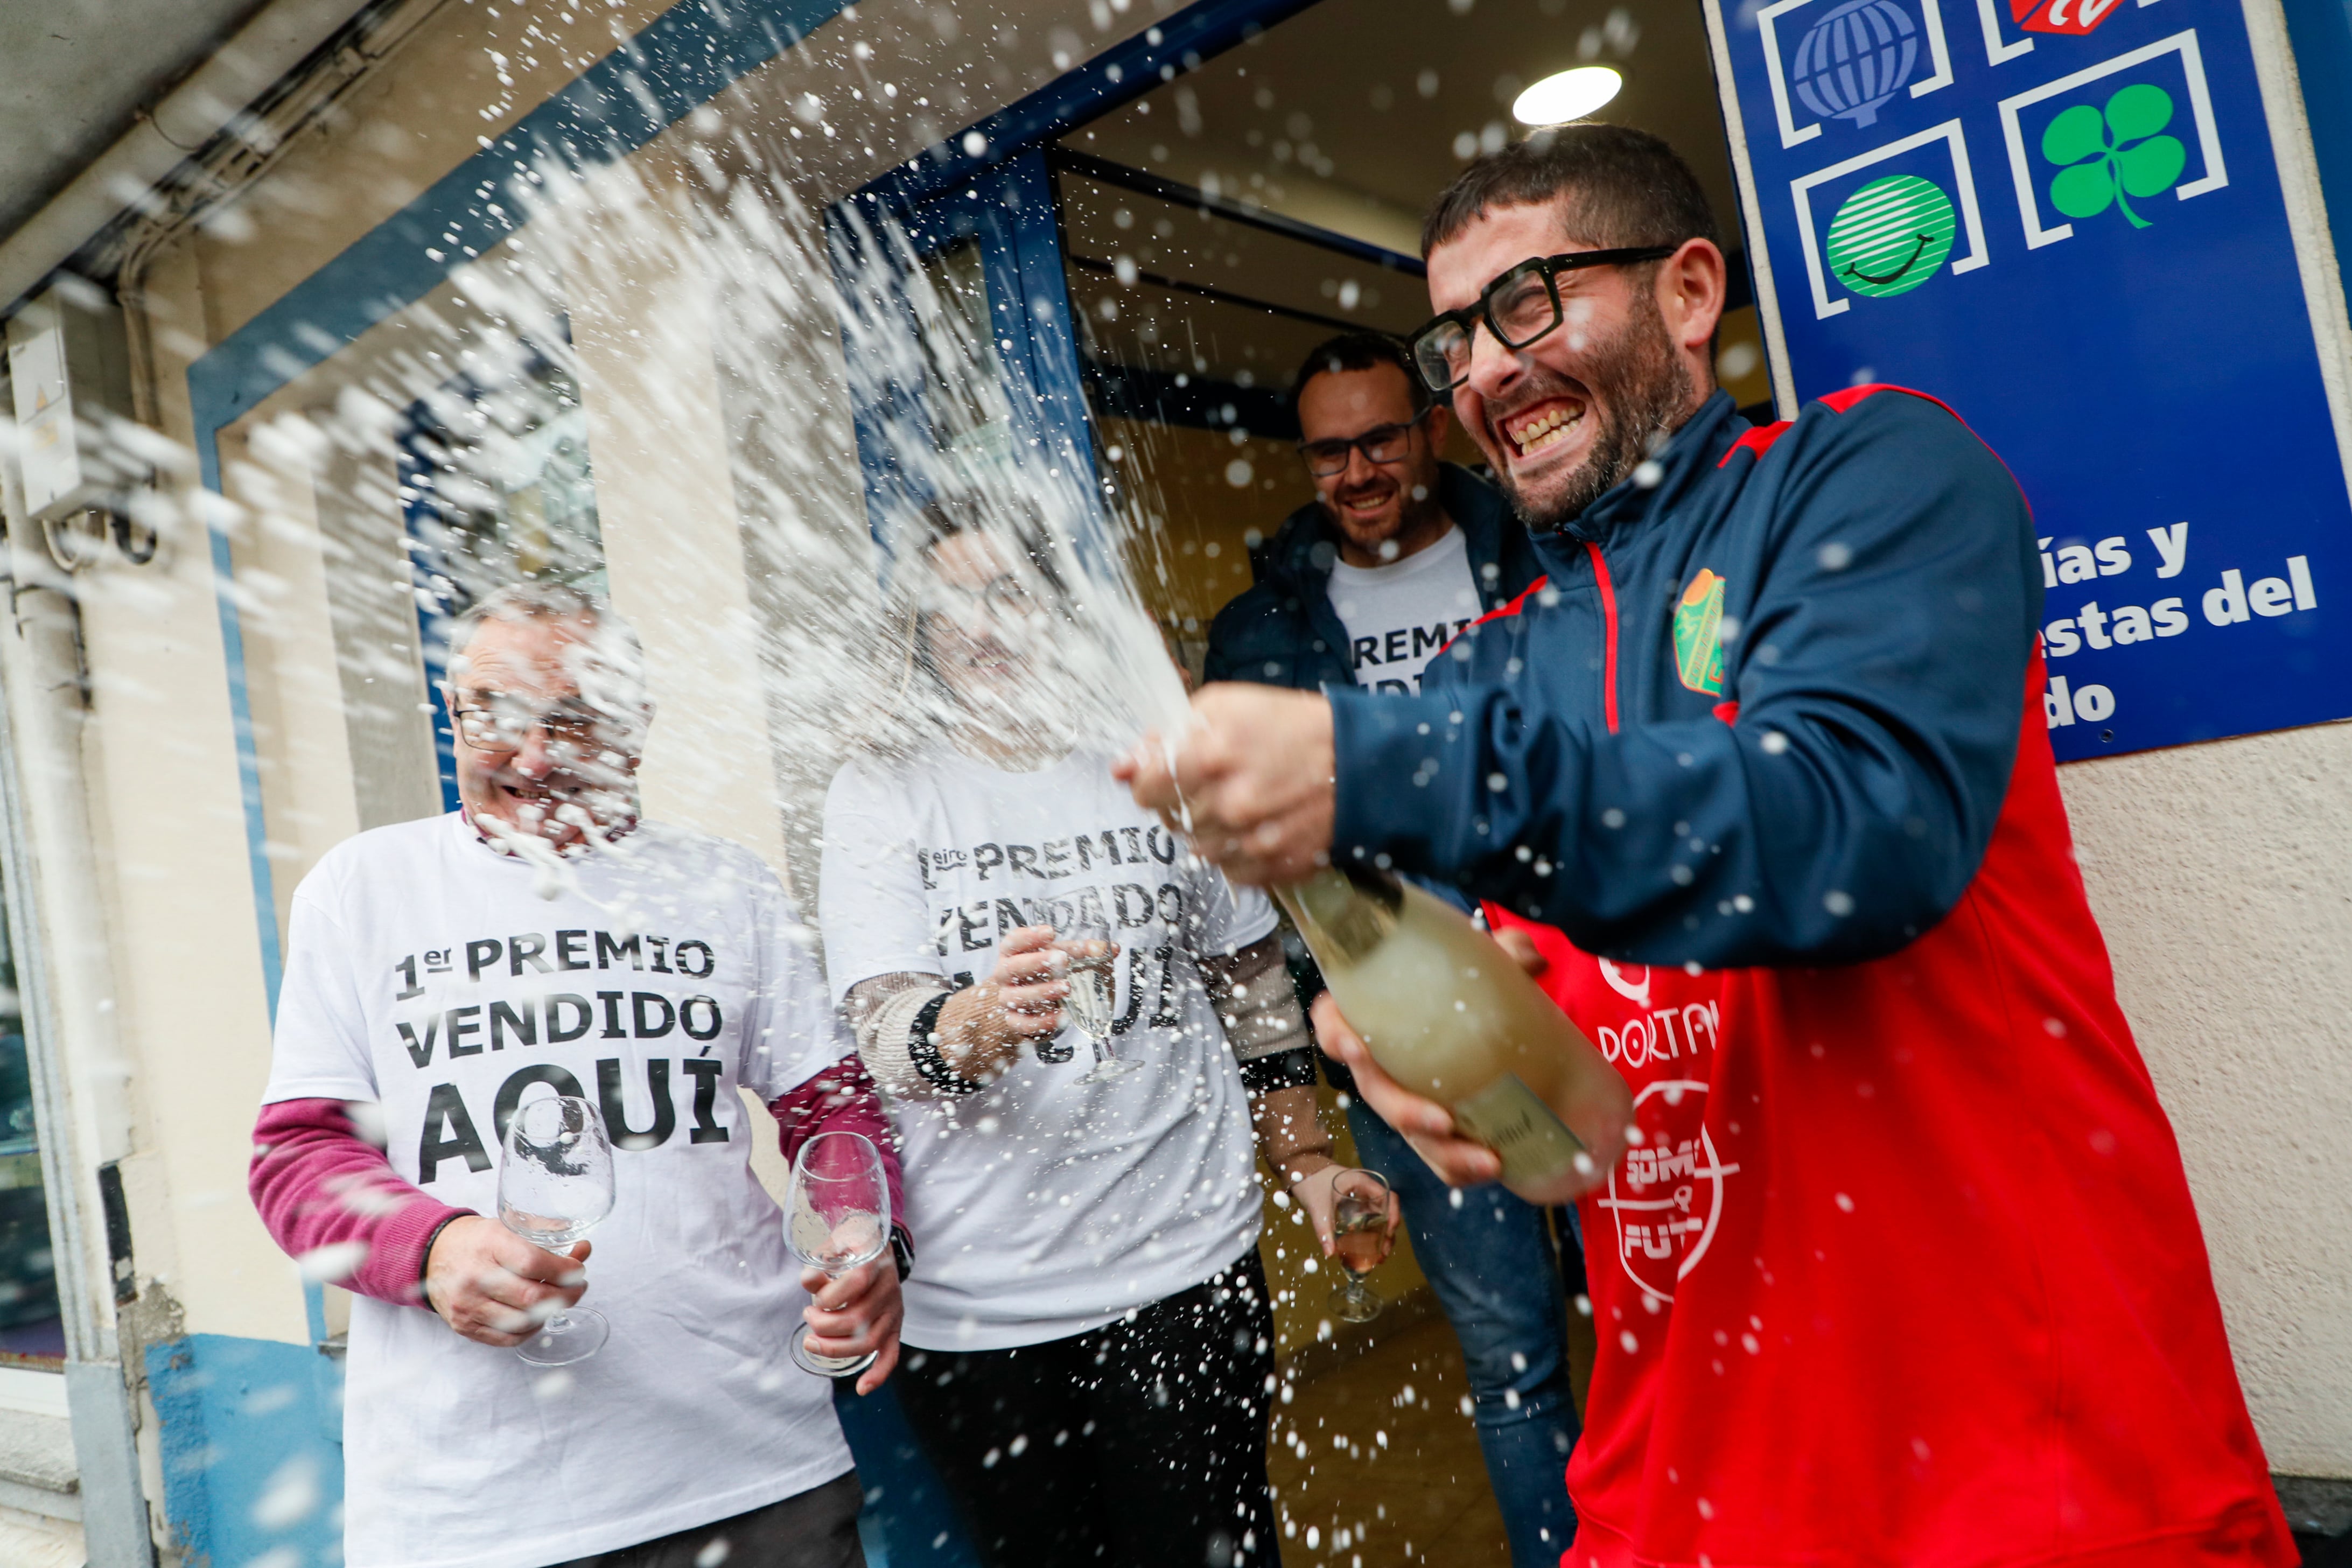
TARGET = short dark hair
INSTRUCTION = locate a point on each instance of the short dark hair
(1359, 351)
(1622, 187)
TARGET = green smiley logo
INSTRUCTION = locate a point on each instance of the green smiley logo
(1891, 236)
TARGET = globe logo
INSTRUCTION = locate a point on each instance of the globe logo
(1854, 59)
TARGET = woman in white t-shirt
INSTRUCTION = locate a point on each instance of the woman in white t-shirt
(1089, 1338)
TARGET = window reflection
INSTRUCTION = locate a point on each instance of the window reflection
(31, 1331)
(494, 488)
(964, 381)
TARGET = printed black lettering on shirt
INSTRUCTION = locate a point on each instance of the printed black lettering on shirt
(1415, 646)
(614, 1102)
(448, 1134)
(705, 1074)
(636, 1120)
(559, 1032)
(420, 1051)
(524, 1025)
(502, 1110)
(1040, 895)
(638, 1095)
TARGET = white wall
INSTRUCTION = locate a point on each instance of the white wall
(642, 330)
(2222, 874)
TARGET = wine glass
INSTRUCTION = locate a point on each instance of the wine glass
(555, 1184)
(1359, 1234)
(1094, 966)
(836, 1216)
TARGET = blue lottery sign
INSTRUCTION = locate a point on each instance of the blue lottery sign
(2064, 218)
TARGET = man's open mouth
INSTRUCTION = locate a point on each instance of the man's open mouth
(1544, 425)
(549, 794)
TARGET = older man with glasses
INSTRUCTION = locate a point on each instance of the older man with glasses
(542, 939)
(1397, 552)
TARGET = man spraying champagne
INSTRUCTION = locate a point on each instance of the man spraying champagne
(1901, 1265)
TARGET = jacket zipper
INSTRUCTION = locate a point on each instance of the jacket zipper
(1609, 615)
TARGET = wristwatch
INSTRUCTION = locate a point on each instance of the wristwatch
(902, 1250)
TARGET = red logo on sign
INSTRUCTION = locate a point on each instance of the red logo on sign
(2072, 17)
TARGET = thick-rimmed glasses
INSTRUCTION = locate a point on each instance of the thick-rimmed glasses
(1518, 308)
(1381, 444)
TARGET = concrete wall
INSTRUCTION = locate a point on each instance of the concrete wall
(2221, 877)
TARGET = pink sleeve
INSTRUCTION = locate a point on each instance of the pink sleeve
(317, 1182)
(841, 1098)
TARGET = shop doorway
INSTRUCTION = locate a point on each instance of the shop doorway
(1144, 321)
(1220, 226)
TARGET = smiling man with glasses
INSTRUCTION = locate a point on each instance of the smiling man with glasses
(1902, 1267)
(1396, 553)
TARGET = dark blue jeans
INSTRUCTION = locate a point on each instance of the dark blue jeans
(1492, 1263)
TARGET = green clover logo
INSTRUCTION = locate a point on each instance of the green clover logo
(2112, 155)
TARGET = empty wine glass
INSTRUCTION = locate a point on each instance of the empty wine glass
(555, 1184)
(1359, 1235)
(836, 1216)
(1094, 968)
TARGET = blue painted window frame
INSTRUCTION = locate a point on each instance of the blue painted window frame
(436, 606)
(1009, 209)
(993, 182)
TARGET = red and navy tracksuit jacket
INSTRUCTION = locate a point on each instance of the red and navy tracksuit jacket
(1905, 1268)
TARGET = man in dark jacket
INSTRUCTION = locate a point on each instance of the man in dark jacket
(1902, 1267)
(1361, 587)
(1357, 396)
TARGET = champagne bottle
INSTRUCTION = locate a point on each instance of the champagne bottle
(1450, 1016)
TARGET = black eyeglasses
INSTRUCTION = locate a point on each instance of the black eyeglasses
(1518, 308)
(1381, 444)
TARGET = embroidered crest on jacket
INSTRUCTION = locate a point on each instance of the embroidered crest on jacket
(1698, 621)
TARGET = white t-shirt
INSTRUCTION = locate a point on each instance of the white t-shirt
(440, 979)
(1042, 1206)
(1398, 615)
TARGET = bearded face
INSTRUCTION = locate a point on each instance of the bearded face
(1574, 412)
(1635, 389)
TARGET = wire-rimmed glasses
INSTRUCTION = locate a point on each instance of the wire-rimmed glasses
(497, 722)
(1360, 1238)
(1094, 968)
(836, 1217)
(1518, 308)
(555, 1185)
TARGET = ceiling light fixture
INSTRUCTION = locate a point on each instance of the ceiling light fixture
(1568, 95)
